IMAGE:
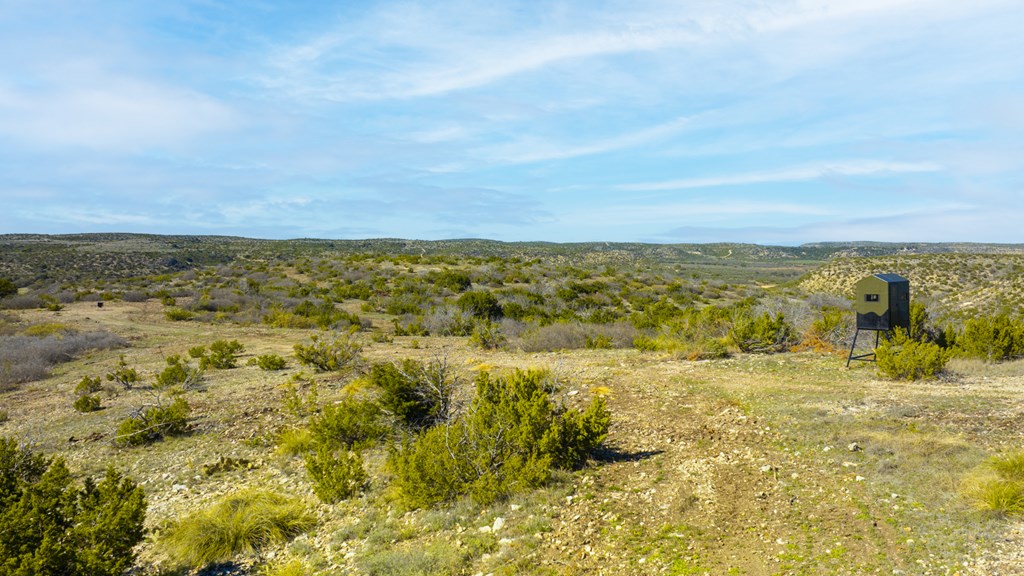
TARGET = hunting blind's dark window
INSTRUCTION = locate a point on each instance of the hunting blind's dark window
(871, 297)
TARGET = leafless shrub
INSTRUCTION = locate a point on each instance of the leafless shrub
(64, 296)
(797, 312)
(575, 335)
(134, 296)
(448, 321)
(513, 328)
(821, 300)
(22, 302)
(26, 358)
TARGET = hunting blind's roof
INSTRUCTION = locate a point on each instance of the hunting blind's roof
(891, 278)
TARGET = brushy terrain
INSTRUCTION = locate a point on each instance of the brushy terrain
(319, 398)
(958, 285)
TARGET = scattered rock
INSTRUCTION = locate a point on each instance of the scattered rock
(499, 523)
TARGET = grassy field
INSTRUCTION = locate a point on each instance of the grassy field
(757, 464)
(784, 464)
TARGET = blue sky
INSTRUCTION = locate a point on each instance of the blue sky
(777, 122)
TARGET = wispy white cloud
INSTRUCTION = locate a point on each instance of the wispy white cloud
(91, 217)
(948, 222)
(798, 174)
(527, 150)
(95, 109)
(461, 46)
(662, 213)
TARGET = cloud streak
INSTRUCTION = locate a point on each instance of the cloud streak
(529, 150)
(798, 174)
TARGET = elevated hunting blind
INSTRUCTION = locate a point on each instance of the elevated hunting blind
(882, 303)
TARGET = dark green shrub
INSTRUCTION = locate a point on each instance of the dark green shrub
(480, 304)
(178, 374)
(223, 355)
(762, 334)
(336, 475)
(245, 522)
(329, 354)
(176, 314)
(454, 280)
(901, 358)
(575, 435)
(152, 423)
(88, 385)
(348, 424)
(7, 288)
(269, 362)
(417, 395)
(511, 438)
(123, 375)
(992, 338)
(87, 403)
(48, 526)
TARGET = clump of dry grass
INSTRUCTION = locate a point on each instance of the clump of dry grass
(998, 487)
(241, 523)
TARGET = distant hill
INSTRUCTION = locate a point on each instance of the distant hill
(36, 257)
(954, 284)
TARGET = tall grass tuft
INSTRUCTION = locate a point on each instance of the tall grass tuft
(242, 523)
(999, 488)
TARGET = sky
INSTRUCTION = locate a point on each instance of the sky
(772, 122)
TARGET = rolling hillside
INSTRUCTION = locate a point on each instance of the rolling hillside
(951, 284)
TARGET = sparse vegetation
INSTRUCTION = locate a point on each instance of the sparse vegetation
(423, 476)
